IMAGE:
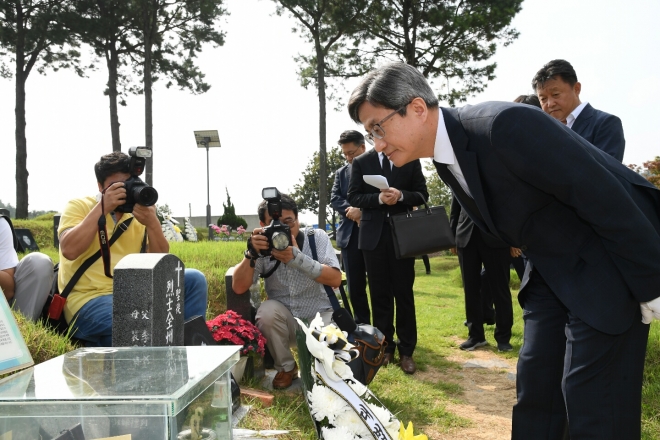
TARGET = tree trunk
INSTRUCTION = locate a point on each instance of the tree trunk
(150, 14)
(323, 162)
(21, 142)
(112, 61)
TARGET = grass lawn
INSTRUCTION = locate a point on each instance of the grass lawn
(426, 398)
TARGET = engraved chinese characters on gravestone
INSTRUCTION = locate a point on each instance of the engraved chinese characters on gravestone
(148, 301)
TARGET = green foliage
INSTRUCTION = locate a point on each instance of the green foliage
(42, 231)
(35, 215)
(229, 216)
(439, 193)
(32, 35)
(650, 172)
(324, 24)
(41, 341)
(307, 194)
(212, 258)
(444, 39)
(8, 207)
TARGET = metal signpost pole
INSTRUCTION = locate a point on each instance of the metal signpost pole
(206, 139)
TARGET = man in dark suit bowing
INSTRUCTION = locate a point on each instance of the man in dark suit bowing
(590, 226)
(559, 90)
(348, 232)
(390, 280)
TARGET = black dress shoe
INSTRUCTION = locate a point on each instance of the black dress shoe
(388, 358)
(408, 365)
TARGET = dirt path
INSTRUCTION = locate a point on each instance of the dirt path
(488, 381)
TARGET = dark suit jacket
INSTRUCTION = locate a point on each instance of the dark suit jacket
(340, 203)
(590, 225)
(409, 179)
(601, 129)
(462, 226)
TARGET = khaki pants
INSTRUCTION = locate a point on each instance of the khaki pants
(33, 278)
(278, 326)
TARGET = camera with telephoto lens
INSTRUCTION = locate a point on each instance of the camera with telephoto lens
(278, 234)
(136, 190)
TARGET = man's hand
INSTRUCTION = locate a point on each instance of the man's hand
(115, 195)
(453, 250)
(650, 310)
(515, 252)
(258, 241)
(287, 254)
(390, 196)
(354, 214)
(146, 215)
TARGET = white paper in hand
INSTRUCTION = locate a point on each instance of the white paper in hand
(376, 180)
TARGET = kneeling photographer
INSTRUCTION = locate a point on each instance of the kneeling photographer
(280, 253)
(100, 231)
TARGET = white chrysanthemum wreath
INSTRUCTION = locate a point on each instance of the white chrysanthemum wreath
(344, 408)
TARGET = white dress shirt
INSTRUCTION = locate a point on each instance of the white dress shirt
(444, 153)
(570, 119)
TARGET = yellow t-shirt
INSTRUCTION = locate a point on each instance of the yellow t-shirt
(93, 282)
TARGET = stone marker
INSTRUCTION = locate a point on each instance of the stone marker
(147, 301)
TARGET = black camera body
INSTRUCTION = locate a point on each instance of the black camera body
(136, 190)
(278, 234)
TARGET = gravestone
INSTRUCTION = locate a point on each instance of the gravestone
(239, 302)
(147, 303)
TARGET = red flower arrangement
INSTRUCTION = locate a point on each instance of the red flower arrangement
(230, 329)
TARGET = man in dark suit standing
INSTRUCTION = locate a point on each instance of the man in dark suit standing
(474, 248)
(390, 279)
(348, 232)
(590, 226)
(558, 90)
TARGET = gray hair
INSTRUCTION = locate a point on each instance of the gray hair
(391, 86)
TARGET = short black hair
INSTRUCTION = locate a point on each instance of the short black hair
(554, 68)
(115, 162)
(529, 100)
(287, 203)
(351, 136)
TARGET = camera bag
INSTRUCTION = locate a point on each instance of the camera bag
(369, 341)
(52, 314)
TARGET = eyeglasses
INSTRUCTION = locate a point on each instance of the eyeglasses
(377, 130)
(289, 221)
(351, 153)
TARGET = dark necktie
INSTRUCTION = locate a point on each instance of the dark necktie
(387, 169)
(466, 201)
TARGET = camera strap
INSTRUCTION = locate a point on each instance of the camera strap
(272, 271)
(328, 290)
(103, 236)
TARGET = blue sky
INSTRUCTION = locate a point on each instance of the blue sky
(268, 124)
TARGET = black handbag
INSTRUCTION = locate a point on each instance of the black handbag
(421, 232)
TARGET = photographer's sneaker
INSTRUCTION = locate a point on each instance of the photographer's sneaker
(471, 344)
(504, 347)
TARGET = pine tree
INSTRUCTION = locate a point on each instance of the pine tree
(229, 217)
